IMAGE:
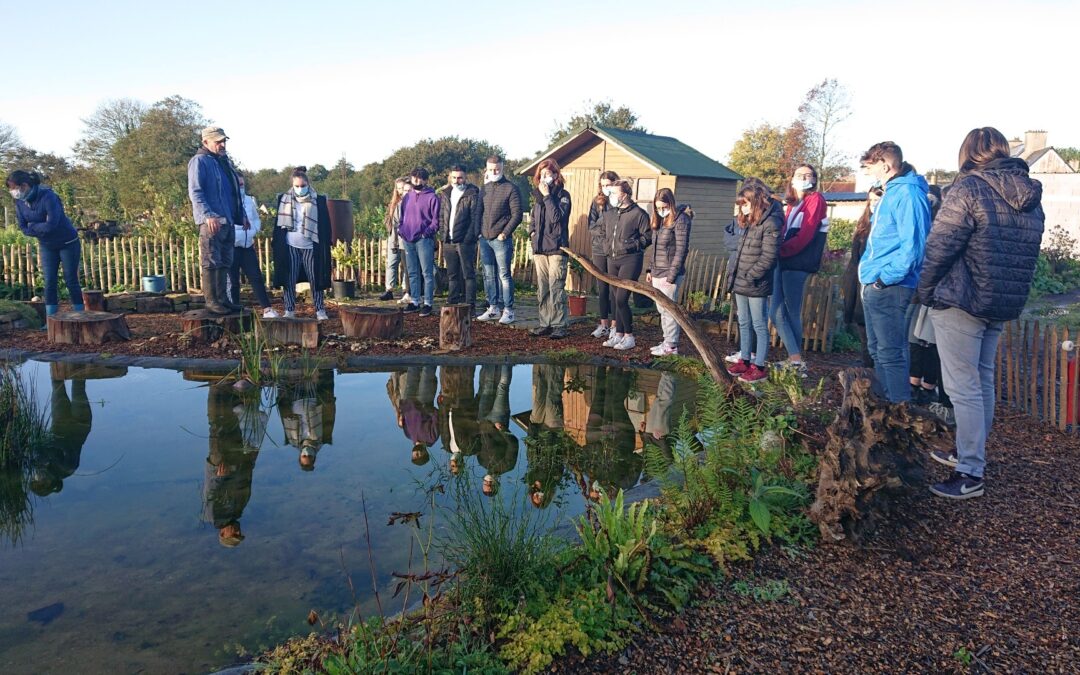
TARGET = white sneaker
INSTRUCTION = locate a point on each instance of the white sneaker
(627, 342)
(290, 315)
(405, 300)
(657, 350)
(490, 314)
(734, 357)
(507, 317)
(613, 339)
(321, 315)
(271, 313)
(601, 331)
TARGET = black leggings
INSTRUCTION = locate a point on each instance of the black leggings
(624, 267)
(603, 291)
(247, 259)
(925, 364)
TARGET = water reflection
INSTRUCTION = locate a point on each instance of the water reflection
(308, 410)
(498, 451)
(412, 393)
(236, 434)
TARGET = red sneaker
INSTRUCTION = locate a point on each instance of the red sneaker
(739, 368)
(753, 374)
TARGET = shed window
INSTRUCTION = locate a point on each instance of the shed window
(646, 189)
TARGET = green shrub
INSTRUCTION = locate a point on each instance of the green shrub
(841, 232)
(843, 342)
(26, 311)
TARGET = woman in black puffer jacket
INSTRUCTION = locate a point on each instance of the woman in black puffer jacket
(979, 264)
(626, 236)
(752, 277)
(599, 255)
(670, 225)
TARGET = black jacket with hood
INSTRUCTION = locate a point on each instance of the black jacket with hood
(671, 246)
(626, 231)
(549, 225)
(758, 253)
(982, 249)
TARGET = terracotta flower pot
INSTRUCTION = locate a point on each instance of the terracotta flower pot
(577, 305)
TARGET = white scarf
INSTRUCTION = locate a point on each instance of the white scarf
(307, 206)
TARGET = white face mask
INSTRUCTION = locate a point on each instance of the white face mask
(614, 198)
(745, 208)
(491, 177)
(460, 187)
(801, 185)
(301, 191)
(547, 180)
(17, 194)
(663, 213)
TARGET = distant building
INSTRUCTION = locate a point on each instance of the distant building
(1040, 157)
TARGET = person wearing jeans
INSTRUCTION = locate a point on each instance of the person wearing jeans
(980, 262)
(40, 213)
(549, 231)
(394, 243)
(806, 229)
(501, 215)
(751, 278)
(419, 225)
(670, 225)
(889, 268)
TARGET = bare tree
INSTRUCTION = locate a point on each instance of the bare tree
(826, 106)
(9, 143)
(111, 122)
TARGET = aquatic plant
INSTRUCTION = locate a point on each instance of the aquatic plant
(23, 433)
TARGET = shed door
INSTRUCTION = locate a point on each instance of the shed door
(581, 184)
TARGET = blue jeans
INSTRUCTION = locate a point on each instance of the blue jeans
(753, 322)
(967, 346)
(785, 308)
(886, 339)
(393, 263)
(420, 258)
(51, 259)
(496, 256)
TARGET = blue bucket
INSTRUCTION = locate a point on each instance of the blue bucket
(154, 284)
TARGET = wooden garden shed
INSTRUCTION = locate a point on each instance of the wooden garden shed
(653, 162)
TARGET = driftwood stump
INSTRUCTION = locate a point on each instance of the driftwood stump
(205, 326)
(384, 323)
(87, 328)
(94, 300)
(875, 452)
(303, 332)
(455, 327)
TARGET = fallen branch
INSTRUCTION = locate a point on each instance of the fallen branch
(713, 360)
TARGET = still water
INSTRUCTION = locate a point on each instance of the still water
(175, 524)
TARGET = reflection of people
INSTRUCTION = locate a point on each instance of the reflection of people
(457, 410)
(229, 465)
(307, 416)
(498, 447)
(413, 394)
(547, 407)
(608, 462)
(548, 442)
(657, 429)
(71, 421)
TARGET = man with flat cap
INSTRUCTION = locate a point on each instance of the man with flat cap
(217, 204)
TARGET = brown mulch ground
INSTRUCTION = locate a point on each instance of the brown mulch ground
(998, 576)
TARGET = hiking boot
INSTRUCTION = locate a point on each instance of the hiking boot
(388, 295)
(959, 486)
(738, 368)
(754, 373)
(600, 332)
(491, 314)
(540, 331)
(558, 334)
(425, 310)
(947, 458)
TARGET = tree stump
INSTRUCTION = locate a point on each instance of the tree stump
(205, 326)
(87, 328)
(94, 301)
(303, 332)
(875, 452)
(455, 327)
(384, 323)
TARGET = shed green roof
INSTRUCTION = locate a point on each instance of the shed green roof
(670, 155)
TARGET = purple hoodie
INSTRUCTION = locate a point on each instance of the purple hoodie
(419, 215)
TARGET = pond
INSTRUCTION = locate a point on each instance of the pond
(174, 524)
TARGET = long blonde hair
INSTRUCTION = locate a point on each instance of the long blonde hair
(395, 200)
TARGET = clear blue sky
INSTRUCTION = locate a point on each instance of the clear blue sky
(305, 82)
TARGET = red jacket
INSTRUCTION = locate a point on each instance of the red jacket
(806, 231)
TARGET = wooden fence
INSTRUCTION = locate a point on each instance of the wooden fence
(1036, 374)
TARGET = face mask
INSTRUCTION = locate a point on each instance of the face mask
(547, 180)
(614, 198)
(745, 209)
(663, 213)
(17, 194)
(801, 185)
(877, 183)
(491, 177)
(460, 188)
(606, 190)
(300, 191)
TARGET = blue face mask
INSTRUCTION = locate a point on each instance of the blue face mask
(300, 191)
(876, 184)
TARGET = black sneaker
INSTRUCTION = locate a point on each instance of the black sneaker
(946, 458)
(388, 295)
(557, 334)
(425, 310)
(540, 331)
(959, 486)
(411, 307)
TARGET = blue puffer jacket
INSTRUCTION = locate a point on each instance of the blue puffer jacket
(901, 222)
(213, 190)
(42, 216)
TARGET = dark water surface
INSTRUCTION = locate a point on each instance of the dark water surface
(175, 525)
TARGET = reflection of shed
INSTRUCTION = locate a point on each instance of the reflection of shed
(653, 162)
